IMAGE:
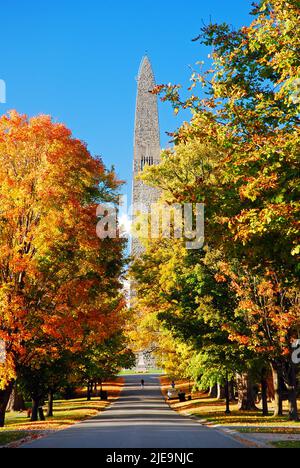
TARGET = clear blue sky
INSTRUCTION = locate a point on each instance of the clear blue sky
(77, 60)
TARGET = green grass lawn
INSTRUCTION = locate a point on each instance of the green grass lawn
(7, 437)
(288, 444)
(269, 430)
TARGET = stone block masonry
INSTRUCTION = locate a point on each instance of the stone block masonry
(146, 142)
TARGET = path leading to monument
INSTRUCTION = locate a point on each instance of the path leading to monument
(139, 419)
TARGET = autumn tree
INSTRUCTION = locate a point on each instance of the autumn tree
(239, 156)
(59, 284)
(100, 362)
(185, 306)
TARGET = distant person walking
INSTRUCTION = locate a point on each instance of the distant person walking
(173, 384)
(142, 383)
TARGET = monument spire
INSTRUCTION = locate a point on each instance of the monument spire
(146, 140)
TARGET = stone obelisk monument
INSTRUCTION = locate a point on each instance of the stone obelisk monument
(146, 143)
(146, 153)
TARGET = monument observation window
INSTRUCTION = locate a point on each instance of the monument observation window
(147, 161)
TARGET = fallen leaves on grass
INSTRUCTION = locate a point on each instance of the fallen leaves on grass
(212, 411)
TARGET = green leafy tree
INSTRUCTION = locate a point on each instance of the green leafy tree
(251, 115)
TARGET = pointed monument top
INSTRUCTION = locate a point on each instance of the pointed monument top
(145, 67)
(146, 59)
(146, 124)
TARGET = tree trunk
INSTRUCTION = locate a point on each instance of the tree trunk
(221, 392)
(213, 391)
(16, 401)
(232, 390)
(227, 397)
(246, 394)
(10, 405)
(19, 402)
(291, 384)
(50, 404)
(278, 411)
(89, 392)
(264, 393)
(41, 413)
(35, 409)
(293, 406)
(4, 399)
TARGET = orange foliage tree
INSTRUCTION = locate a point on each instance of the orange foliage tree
(59, 283)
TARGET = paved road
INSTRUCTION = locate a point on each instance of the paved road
(139, 419)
